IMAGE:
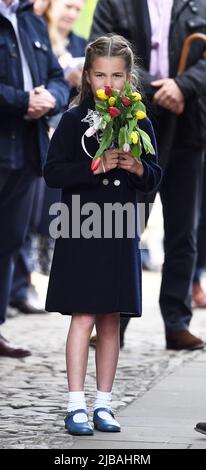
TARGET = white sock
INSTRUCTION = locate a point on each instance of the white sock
(103, 400)
(77, 401)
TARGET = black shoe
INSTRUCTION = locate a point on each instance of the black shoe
(26, 307)
(200, 427)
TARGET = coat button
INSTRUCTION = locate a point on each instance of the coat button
(116, 182)
(105, 182)
(37, 44)
(44, 47)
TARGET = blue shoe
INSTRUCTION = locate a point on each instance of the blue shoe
(105, 423)
(75, 428)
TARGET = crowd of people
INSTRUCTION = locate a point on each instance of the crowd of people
(42, 68)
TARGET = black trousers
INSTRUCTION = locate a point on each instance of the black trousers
(201, 235)
(16, 196)
(180, 192)
(181, 195)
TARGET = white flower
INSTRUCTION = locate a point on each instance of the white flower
(126, 148)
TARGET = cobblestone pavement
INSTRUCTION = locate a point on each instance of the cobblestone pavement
(33, 390)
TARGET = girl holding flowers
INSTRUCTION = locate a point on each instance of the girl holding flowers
(96, 276)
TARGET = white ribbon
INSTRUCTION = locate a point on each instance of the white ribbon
(88, 133)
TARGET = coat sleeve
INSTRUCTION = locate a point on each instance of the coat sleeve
(102, 20)
(192, 82)
(56, 84)
(62, 170)
(152, 176)
(13, 102)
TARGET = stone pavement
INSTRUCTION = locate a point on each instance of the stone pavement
(159, 395)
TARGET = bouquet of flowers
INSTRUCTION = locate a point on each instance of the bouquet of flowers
(115, 123)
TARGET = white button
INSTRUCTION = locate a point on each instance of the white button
(105, 182)
(37, 44)
(116, 182)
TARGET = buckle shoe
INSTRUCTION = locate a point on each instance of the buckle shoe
(75, 428)
(105, 424)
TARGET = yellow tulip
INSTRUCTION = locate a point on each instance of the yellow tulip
(134, 137)
(112, 101)
(101, 94)
(141, 115)
(137, 96)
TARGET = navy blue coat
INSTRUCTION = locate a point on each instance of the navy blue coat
(95, 275)
(14, 100)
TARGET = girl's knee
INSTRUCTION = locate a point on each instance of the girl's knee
(85, 321)
(108, 322)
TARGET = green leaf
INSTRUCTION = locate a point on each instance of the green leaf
(101, 106)
(139, 106)
(146, 142)
(127, 89)
(105, 141)
(136, 150)
(107, 117)
(123, 136)
(132, 125)
(129, 116)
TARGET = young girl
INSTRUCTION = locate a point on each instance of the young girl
(94, 278)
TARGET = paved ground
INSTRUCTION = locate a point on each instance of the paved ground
(158, 394)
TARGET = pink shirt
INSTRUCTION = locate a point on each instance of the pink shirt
(160, 17)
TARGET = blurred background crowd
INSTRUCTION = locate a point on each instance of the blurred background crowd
(181, 236)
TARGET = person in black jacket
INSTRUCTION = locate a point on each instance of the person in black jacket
(31, 88)
(178, 106)
(60, 16)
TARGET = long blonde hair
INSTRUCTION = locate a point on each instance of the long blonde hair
(106, 46)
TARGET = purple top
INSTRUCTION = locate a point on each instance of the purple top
(160, 16)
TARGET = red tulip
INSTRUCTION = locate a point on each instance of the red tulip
(95, 164)
(108, 90)
(113, 111)
(126, 101)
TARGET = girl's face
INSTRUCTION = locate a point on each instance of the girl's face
(107, 71)
(40, 6)
(68, 14)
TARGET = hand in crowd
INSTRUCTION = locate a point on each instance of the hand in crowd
(74, 76)
(118, 159)
(169, 95)
(41, 101)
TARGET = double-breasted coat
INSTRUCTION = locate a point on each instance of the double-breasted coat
(96, 274)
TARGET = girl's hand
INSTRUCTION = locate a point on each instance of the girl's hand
(108, 162)
(129, 163)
